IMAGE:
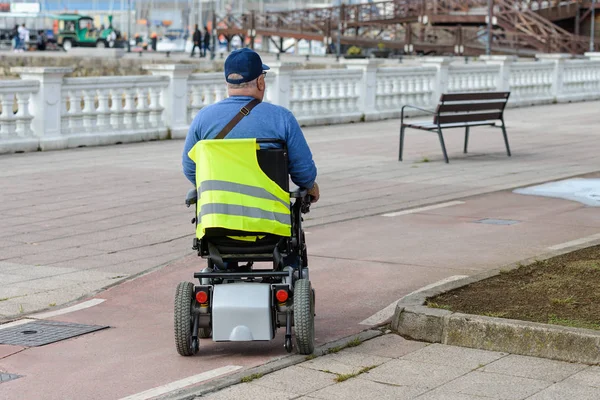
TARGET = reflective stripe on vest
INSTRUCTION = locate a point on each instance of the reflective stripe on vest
(233, 191)
(251, 212)
(238, 188)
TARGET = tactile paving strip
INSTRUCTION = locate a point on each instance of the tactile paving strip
(4, 377)
(492, 221)
(39, 333)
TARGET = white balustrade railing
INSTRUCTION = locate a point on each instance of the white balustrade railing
(473, 78)
(112, 105)
(15, 118)
(324, 92)
(205, 89)
(45, 110)
(531, 82)
(581, 80)
(399, 86)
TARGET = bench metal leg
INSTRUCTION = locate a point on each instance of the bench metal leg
(505, 139)
(402, 128)
(466, 139)
(443, 145)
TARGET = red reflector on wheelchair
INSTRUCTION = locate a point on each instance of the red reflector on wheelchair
(201, 297)
(282, 295)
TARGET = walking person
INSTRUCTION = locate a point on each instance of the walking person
(206, 40)
(197, 39)
(15, 38)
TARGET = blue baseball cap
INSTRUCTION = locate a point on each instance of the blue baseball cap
(246, 63)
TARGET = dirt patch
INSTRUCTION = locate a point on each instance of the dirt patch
(563, 290)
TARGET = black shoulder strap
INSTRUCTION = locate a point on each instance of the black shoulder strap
(238, 117)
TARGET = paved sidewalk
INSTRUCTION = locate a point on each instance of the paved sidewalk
(73, 222)
(390, 367)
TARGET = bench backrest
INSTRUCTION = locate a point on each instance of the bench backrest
(470, 107)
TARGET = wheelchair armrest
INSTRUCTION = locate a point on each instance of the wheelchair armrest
(191, 198)
(299, 193)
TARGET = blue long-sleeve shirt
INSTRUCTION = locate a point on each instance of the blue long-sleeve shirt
(266, 121)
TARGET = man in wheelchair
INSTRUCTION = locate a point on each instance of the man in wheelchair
(244, 214)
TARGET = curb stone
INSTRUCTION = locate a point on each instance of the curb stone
(272, 366)
(416, 321)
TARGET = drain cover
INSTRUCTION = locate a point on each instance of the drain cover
(4, 377)
(497, 221)
(39, 333)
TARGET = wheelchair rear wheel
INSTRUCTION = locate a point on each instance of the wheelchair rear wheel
(184, 320)
(304, 316)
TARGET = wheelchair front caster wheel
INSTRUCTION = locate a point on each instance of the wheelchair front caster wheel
(288, 345)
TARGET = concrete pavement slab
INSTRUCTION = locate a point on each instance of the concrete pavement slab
(534, 368)
(345, 362)
(387, 346)
(589, 377)
(495, 386)
(567, 390)
(441, 395)
(414, 373)
(250, 391)
(453, 356)
(296, 380)
(359, 388)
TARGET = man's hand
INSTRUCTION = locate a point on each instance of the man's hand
(314, 193)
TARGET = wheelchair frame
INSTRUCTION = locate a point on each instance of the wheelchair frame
(281, 277)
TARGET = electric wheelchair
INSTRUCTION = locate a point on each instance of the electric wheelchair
(234, 300)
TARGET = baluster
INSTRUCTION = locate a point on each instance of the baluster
(316, 105)
(197, 99)
(412, 93)
(306, 99)
(129, 109)
(348, 95)
(7, 118)
(155, 118)
(89, 110)
(219, 91)
(325, 90)
(117, 114)
(76, 116)
(23, 116)
(142, 110)
(64, 113)
(103, 111)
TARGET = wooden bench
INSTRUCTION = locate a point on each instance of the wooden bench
(461, 110)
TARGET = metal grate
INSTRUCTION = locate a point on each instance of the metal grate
(39, 333)
(492, 221)
(5, 377)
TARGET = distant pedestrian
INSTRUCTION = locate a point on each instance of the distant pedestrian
(197, 39)
(206, 41)
(154, 40)
(23, 37)
(16, 42)
(42, 40)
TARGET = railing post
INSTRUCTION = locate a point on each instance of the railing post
(559, 69)
(505, 62)
(368, 85)
(45, 104)
(441, 80)
(174, 97)
(281, 92)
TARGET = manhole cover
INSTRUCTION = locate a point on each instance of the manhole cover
(39, 333)
(492, 221)
(4, 377)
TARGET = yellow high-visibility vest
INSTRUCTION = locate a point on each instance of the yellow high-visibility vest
(233, 191)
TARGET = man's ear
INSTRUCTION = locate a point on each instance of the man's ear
(261, 84)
